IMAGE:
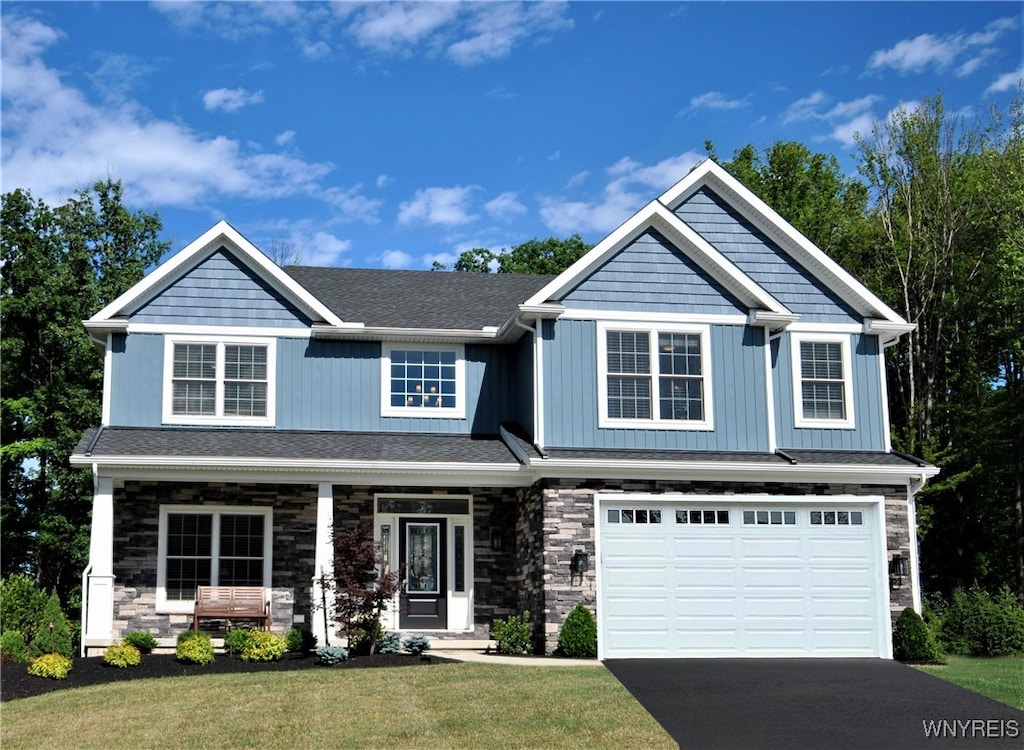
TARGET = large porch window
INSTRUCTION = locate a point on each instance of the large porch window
(204, 546)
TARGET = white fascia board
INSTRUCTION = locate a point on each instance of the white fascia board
(221, 233)
(655, 215)
(886, 330)
(380, 333)
(765, 218)
(304, 471)
(726, 470)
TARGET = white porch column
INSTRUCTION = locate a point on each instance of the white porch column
(323, 563)
(98, 583)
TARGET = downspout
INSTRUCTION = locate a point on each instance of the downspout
(538, 415)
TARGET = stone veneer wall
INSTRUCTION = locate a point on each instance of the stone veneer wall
(560, 512)
(495, 583)
(136, 529)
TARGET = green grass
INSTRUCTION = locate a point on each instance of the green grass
(1000, 678)
(441, 706)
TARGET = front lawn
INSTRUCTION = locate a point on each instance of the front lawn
(1000, 678)
(444, 705)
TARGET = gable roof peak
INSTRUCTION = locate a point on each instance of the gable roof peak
(220, 235)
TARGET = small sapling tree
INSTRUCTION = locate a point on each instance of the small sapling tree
(364, 587)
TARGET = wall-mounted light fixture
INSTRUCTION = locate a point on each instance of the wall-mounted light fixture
(899, 569)
(496, 541)
(578, 566)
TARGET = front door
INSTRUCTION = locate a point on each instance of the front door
(422, 550)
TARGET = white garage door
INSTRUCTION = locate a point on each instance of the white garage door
(723, 577)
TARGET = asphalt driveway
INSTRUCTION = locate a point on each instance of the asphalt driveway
(826, 704)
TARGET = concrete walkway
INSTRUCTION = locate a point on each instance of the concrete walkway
(483, 657)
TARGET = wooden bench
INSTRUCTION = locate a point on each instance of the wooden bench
(231, 603)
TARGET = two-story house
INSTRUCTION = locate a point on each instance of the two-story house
(686, 430)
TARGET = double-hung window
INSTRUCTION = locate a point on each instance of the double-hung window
(654, 376)
(207, 546)
(418, 381)
(822, 383)
(209, 381)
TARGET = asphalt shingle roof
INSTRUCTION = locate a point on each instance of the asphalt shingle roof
(418, 299)
(205, 443)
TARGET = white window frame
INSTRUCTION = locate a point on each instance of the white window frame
(219, 418)
(456, 412)
(652, 330)
(178, 606)
(799, 420)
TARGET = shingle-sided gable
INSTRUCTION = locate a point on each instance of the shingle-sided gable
(650, 274)
(763, 259)
(220, 290)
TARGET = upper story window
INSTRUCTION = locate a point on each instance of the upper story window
(208, 381)
(422, 382)
(654, 376)
(823, 387)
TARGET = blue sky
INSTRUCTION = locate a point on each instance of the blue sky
(393, 135)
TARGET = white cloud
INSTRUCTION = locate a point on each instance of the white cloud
(383, 181)
(230, 100)
(717, 100)
(505, 206)
(806, 108)
(436, 205)
(941, 52)
(846, 133)
(578, 179)
(56, 141)
(618, 201)
(394, 27)
(283, 139)
(396, 259)
(1006, 81)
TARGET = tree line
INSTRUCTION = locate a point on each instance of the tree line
(933, 223)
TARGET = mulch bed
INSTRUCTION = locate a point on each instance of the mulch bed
(15, 682)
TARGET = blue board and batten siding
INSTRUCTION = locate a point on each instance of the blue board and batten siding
(868, 432)
(221, 291)
(763, 260)
(651, 275)
(322, 385)
(739, 394)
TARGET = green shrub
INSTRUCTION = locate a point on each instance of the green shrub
(143, 641)
(236, 639)
(912, 640)
(194, 649)
(366, 633)
(51, 666)
(578, 636)
(976, 624)
(300, 640)
(53, 635)
(416, 644)
(262, 645)
(187, 635)
(21, 605)
(13, 647)
(122, 655)
(330, 655)
(513, 635)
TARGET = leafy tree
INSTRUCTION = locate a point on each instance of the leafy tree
(59, 266)
(948, 254)
(809, 190)
(550, 256)
(364, 588)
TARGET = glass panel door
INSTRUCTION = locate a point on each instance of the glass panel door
(424, 561)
